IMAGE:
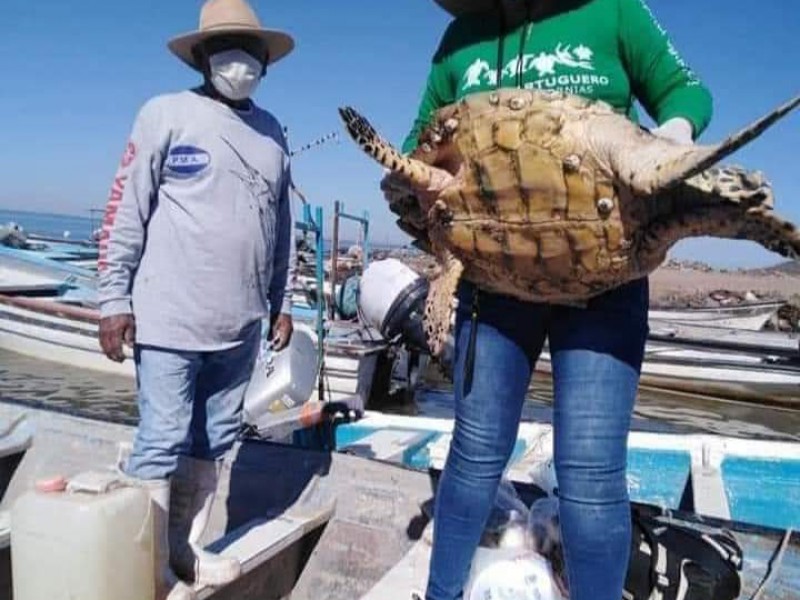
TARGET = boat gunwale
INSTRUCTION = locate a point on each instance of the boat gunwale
(688, 442)
(53, 308)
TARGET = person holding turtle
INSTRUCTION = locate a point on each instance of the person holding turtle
(612, 50)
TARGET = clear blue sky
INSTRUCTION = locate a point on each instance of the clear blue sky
(75, 73)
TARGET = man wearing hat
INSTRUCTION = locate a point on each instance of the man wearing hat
(615, 51)
(196, 250)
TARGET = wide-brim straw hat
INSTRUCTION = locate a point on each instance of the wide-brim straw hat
(230, 17)
(465, 7)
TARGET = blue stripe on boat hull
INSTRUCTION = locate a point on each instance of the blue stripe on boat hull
(763, 491)
(759, 491)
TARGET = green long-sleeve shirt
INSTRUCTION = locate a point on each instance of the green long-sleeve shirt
(613, 50)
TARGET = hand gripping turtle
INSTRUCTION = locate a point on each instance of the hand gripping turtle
(550, 197)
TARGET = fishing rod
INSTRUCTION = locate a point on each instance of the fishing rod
(320, 141)
(333, 135)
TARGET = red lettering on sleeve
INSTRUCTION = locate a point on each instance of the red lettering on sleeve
(128, 155)
(112, 206)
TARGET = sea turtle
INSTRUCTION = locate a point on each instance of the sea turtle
(548, 196)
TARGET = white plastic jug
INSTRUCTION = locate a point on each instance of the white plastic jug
(93, 541)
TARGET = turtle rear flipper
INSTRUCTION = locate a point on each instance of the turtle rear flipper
(771, 231)
(439, 303)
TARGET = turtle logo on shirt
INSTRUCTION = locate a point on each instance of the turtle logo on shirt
(546, 64)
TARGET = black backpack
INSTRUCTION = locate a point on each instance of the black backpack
(671, 562)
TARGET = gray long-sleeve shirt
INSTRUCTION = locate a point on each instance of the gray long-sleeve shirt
(198, 238)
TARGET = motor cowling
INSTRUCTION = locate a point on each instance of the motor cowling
(392, 300)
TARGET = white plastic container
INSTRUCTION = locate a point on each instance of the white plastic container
(282, 380)
(510, 574)
(89, 542)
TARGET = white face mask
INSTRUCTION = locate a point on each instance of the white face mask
(235, 73)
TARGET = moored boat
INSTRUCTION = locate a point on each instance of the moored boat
(750, 316)
(729, 375)
(754, 481)
(21, 264)
(54, 331)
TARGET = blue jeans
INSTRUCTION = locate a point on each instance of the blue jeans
(190, 403)
(596, 355)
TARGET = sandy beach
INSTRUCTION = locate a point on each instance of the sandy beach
(676, 286)
(681, 284)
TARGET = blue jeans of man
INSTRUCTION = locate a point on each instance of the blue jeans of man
(596, 355)
(190, 403)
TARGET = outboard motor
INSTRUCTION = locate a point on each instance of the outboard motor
(392, 300)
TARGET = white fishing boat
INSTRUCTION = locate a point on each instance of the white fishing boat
(729, 363)
(20, 267)
(751, 316)
(715, 362)
(50, 330)
(15, 279)
(729, 338)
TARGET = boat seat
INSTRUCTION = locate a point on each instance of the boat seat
(259, 540)
(704, 492)
(709, 492)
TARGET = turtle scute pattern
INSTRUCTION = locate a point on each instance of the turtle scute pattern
(551, 197)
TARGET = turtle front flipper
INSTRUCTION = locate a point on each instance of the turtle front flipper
(439, 303)
(419, 173)
(771, 231)
(648, 164)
